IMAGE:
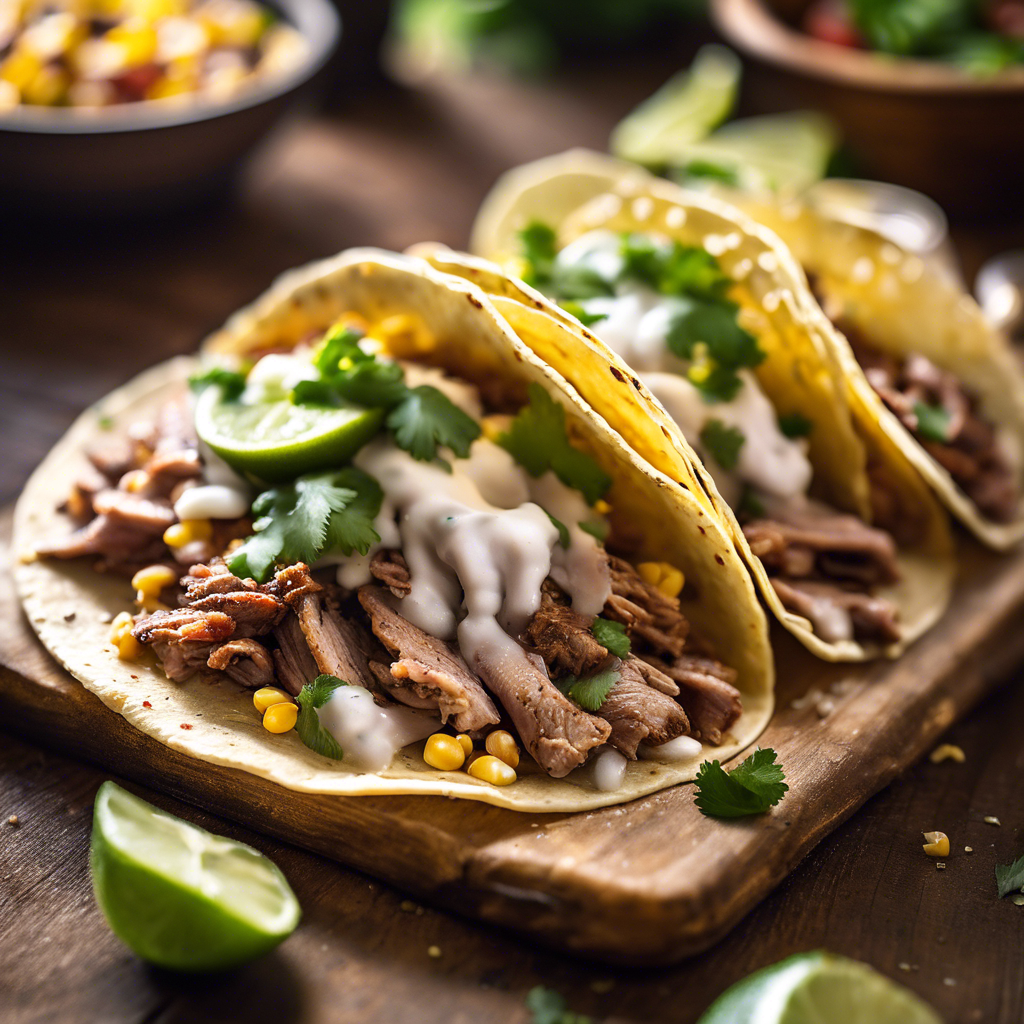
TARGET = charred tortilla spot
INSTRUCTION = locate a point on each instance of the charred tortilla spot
(474, 301)
(719, 559)
(636, 383)
(617, 374)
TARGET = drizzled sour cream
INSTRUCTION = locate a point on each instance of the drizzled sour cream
(636, 325)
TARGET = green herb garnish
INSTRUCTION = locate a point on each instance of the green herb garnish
(795, 424)
(675, 269)
(569, 282)
(612, 636)
(932, 422)
(563, 531)
(426, 419)
(1010, 877)
(538, 441)
(312, 696)
(599, 531)
(722, 443)
(585, 318)
(590, 692)
(298, 522)
(750, 788)
(231, 383)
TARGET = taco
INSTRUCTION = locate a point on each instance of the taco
(714, 319)
(939, 378)
(412, 539)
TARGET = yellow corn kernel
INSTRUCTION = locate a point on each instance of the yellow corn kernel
(444, 752)
(601, 507)
(128, 648)
(188, 530)
(947, 752)
(168, 88)
(281, 717)
(20, 68)
(268, 696)
(502, 746)
(667, 578)
(936, 844)
(495, 425)
(490, 769)
(48, 88)
(466, 742)
(137, 39)
(135, 481)
(152, 580)
(403, 332)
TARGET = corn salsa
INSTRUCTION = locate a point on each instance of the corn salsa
(102, 53)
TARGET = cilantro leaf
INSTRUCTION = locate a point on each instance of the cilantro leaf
(339, 344)
(599, 531)
(611, 635)
(795, 424)
(750, 788)
(563, 531)
(675, 269)
(751, 505)
(538, 441)
(722, 443)
(299, 521)
(1010, 877)
(426, 419)
(312, 696)
(585, 318)
(230, 382)
(548, 1007)
(590, 692)
(316, 392)
(537, 242)
(353, 374)
(713, 324)
(932, 422)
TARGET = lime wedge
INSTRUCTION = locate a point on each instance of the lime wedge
(180, 896)
(818, 987)
(279, 440)
(779, 152)
(683, 111)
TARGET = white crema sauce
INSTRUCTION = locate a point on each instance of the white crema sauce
(636, 325)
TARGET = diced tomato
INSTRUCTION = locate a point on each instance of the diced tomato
(134, 83)
(829, 21)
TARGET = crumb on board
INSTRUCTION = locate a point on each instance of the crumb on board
(904, 966)
(407, 905)
(184, 725)
(947, 752)
(991, 819)
(13, 820)
(950, 982)
(434, 952)
(1019, 899)
(602, 985)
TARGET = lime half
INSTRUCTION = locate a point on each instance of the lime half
(683, 111)
(818, 988)
(279, 440)
(180, 896)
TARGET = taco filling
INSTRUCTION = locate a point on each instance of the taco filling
(665, 308)
(943, 415)
(421, 553)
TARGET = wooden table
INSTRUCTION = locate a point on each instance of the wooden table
(82, 311)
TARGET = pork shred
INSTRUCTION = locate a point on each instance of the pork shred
(971, 453)
(824, 564)
(124, 500)
(647, 704)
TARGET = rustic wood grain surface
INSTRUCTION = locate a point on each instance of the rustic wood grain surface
(82, 310)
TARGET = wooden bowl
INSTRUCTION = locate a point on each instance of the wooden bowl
(924, 124)
(146, 157)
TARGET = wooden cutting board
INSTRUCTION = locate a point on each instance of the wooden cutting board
(648, 882)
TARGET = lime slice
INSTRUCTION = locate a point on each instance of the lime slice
(815, 988)
(683, 111)
(180, 896)
(779, 152)
(279, 440)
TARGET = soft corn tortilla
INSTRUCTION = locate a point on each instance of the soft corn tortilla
(448, 323)
(804, 370)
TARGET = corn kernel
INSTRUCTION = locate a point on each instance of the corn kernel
(667, 578)
(466, 742)
(936, 844)
(444, 752)
(169, 88)
(135, 481)
(149, 602)
(501, 744)
(494, 426)
(281, 717)
(601, 507)
(10, 95)
(151, 580)
(138, 40)
(188, 530)
(20, 68)
(947, 752)
(403, 332)
(267, 696)
(490, 769)
(128, 648)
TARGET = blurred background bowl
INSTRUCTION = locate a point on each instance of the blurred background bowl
(920, 123)
(148, 157)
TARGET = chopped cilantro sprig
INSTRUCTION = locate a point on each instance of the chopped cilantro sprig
(538, 440)
(612, 636)
(311, 697)
(231, 382)
(421, 419)
(932, 422)
(722, 443)
(570, 282)
(590, 692)
(298, 522)
(751, 787)
(1010, 877)
(674, 269)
